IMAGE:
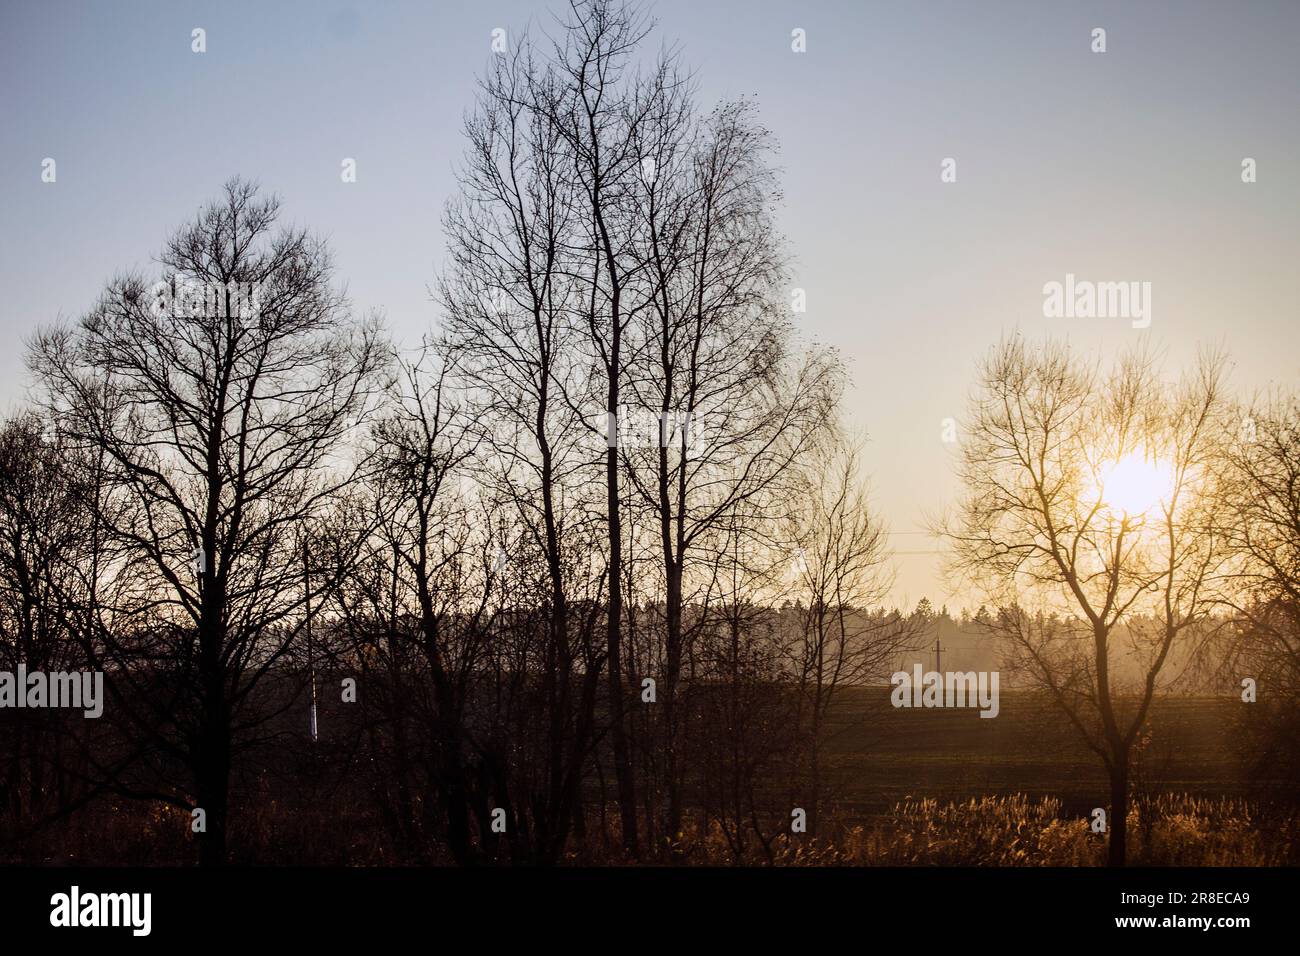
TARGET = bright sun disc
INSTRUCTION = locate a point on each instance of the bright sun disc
(1136, 484)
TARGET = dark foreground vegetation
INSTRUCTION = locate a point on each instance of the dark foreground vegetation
(939, 788)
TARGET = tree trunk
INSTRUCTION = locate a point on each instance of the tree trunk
(622, 760)
(214, 789)
(212, 764)
(814, 792)
(672, 677)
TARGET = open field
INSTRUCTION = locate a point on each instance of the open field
(908, 787)
(880, 755)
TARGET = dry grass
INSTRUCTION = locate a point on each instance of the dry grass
(1170, 830)
(1016, 830)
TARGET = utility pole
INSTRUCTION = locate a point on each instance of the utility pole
(938, 657)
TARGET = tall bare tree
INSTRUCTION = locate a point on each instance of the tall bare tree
(514, 341)
(729, 404)
(598, 102)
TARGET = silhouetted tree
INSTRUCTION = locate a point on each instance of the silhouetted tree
(1081, 579)
(219, 398)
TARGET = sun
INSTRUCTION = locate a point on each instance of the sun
(1136, 484)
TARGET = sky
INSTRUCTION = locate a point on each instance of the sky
(1123, 165)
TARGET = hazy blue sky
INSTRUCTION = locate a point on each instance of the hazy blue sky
(1116, 166)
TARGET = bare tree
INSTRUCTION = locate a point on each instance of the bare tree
(731, 405)
(841, 577)
(744, 738)
(1084, 515)
(513, 340)
(426, 580)
(1260, 490)
(46, 550)
(597, 105)
(220, 399)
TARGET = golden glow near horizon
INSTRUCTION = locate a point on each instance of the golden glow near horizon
(1135, 484)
